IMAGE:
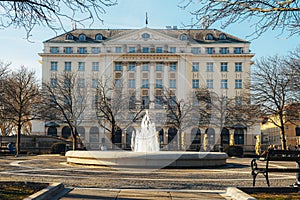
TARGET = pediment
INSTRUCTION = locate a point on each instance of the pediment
(145, 36)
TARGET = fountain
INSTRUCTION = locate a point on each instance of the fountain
(146, 139)
(145, 154)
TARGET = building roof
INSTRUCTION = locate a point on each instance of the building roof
(194, 36)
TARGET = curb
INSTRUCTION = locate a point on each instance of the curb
(237, 194)
(47, 193)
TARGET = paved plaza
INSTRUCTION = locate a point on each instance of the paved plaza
(93, 182)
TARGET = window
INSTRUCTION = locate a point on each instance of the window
(118, 49)
(238, 67)
(53, 82)
(209, 84)
(158, 83)
(238, 50)
(195, 67)
(94, 83)
(68, 66)
(67, 83)
(172, 67)
(80, 100)
(159, 50)
(224, 67)
(145, 83)
(131, 83)
(210, 50)
(145, 36)
(172, 83)
(131, 66)
(195, 83)
(145, 50)
(69, 37)
(118, 66)
(82, 50)
(195, 50)
(209, 67)
(99, 37)
(172, 49)
(145, 67)
(81, 66)
(209, 37)
(159, 103)
(224, 84)
(238, 84)
(132, 102)
(68, 50)
(95, 50)
(82, 37)
(132, 50)
(223, 37)
(224, 50)
(183, 37)
(81, 82)
(54, 50)
(145, 102)
(53, 66)
(95, 66)
(159, 66)
(238, 101)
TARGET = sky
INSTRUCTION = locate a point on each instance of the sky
(131, 14)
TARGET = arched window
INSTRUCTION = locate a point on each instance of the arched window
(82, 37)
(129, 136)
(66, 132)
(94, 134)
(223, 37)
(69, 37)
(52, 131)
(161, 135)
(81, 132)
(239, 136)
(183, 37)
(297, 131)
(196, 136)
(210, 136)
(146, 36)
(225, 136)
(117, 138)
(99, 37)
(209, 37)
(172, 140)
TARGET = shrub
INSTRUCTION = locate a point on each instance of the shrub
(58, 147)
(234, 151)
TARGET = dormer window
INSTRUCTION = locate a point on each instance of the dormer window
(69, 37)
(183, 37)
(82, 37)
(209, 37)
(99, 37)
(223, 37)
(145, 36)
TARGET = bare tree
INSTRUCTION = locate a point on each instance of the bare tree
(178, 113)
(53, 14)
(65, 98)
(114, 105)
(273, 90)
(20, 95)
(263, 15)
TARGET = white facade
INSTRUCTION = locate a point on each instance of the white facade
(148, 59)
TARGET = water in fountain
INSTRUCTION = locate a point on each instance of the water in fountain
(146, 139)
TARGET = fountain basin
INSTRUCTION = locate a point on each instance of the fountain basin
(161, 159)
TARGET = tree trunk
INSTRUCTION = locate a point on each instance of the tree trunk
(283, 140)
(18, 140)
(74, 142)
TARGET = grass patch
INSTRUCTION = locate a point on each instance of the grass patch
(19, 190)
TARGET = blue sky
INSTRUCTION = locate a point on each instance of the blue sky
(131, 14)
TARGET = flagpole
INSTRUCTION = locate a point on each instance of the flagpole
(146, 19)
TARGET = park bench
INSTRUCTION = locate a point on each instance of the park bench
(275, 156)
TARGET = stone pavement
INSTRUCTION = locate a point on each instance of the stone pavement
(130, 194)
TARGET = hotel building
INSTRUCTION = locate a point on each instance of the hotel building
(181, 60)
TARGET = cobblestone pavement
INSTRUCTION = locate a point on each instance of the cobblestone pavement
(53, 168)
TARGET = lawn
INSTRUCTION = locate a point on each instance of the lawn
(19, 190)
